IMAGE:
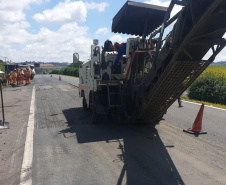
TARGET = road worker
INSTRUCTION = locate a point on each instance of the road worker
(8, 76)
(14, 76)
(18, 76)
(28, 76)
(21, 76)
(179, 102)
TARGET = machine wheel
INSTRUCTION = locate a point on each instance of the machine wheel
(129, 108)
(96, 118)
(84, 104)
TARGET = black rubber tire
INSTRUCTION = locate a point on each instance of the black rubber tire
(84, 104)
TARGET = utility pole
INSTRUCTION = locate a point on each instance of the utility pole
(4, 58)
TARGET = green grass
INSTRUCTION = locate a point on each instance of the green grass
(206, 103)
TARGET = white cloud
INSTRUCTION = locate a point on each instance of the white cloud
(103, 31)
(7, 17)
(176, 8)
(11, 11)
(221, 56)
(13, 22)
(12, 5)
(63, 13)
(99, 6)
(118, 38)
(68, 11)
(158, 2)
(56, 46)
(14, 34)
(18, 44)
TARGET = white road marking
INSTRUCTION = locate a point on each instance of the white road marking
(210, 106)
(26, 171)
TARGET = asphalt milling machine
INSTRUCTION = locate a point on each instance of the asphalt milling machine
(142, 78)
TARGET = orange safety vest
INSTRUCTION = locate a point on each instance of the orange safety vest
(28, 73)
(14, 74)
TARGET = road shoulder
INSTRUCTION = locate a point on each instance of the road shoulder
(17, 106)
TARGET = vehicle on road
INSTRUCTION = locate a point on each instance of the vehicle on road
(11, 67)
(142, 78)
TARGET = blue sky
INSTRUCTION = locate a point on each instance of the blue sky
(51, 30)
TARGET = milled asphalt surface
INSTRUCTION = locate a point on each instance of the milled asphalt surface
(69, 149)
(66, 79)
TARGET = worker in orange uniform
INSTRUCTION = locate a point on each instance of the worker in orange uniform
(14, 76)
(21, 76)
(9, 78)
(28, 76)
(18, 76)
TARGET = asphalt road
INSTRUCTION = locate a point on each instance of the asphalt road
(69, 149)
(66, 79)
(214, 120)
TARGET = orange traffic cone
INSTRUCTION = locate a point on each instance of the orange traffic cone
(59, 77)
(197, 126)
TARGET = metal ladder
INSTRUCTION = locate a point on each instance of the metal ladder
(114, 95)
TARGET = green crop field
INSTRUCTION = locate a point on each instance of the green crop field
(217, 69)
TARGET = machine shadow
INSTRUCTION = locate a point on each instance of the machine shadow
(145, 158)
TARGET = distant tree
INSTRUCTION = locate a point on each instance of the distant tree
(55, 71)
(70, 71)
(2, 65)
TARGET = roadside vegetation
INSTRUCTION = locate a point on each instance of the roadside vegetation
(47, 68)
(2, 65)
(72, 70)
(210, 86)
